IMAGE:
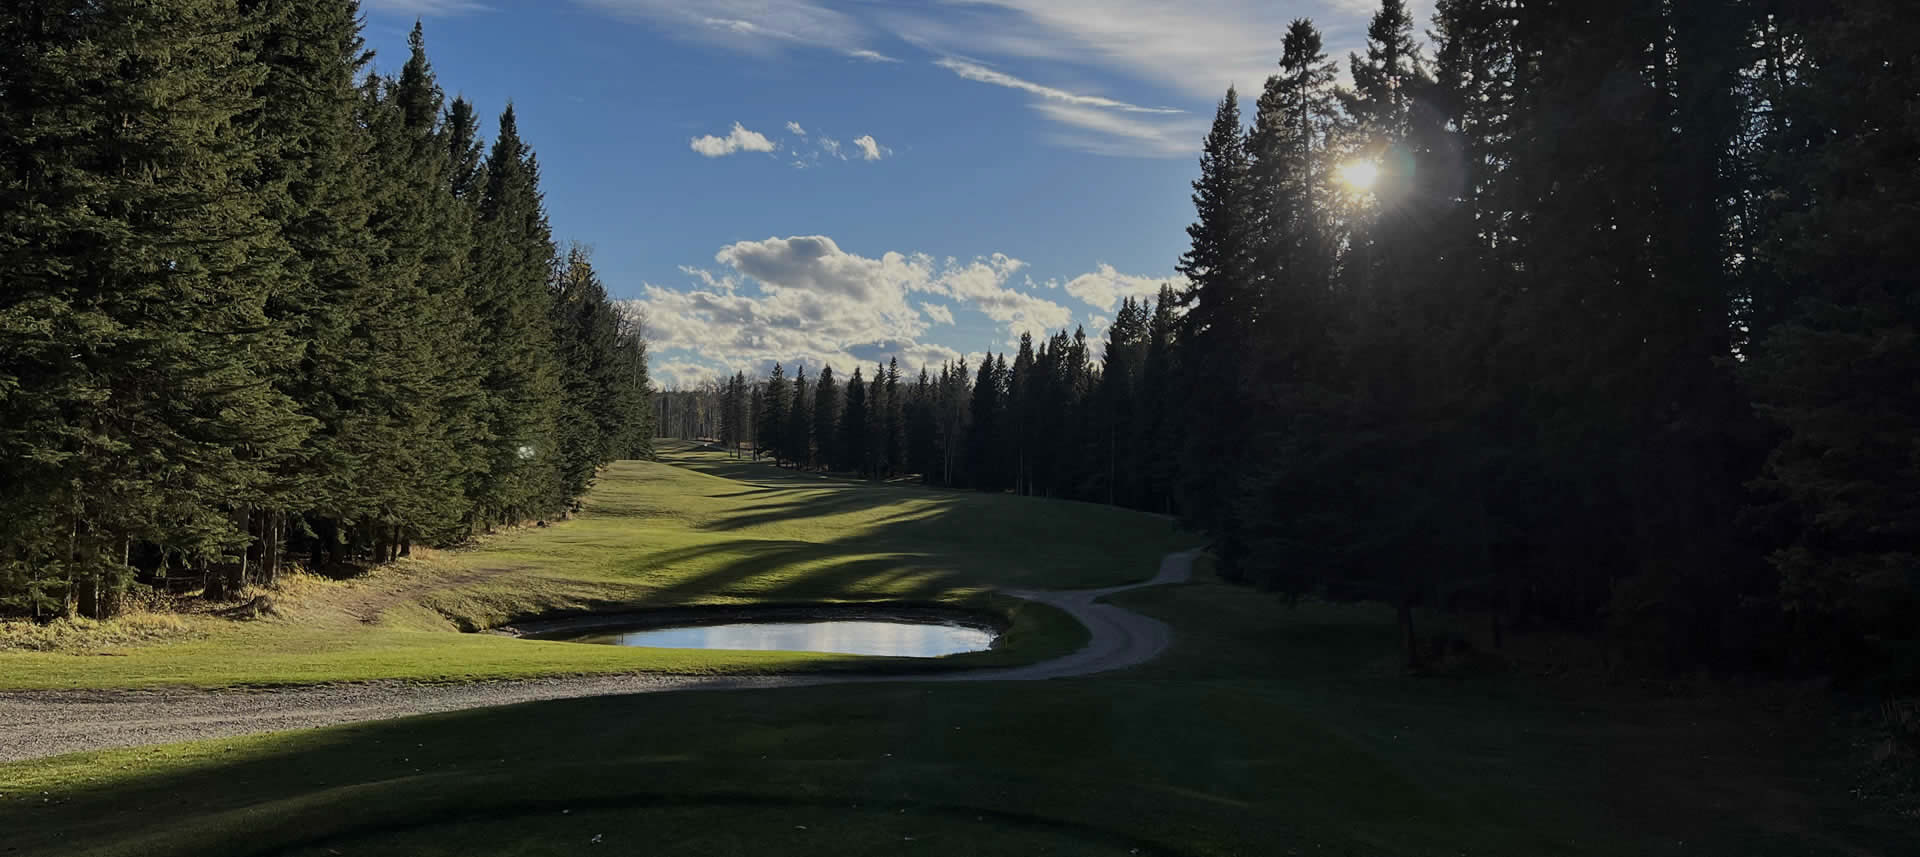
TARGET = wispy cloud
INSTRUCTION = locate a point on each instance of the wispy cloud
(1104, 133)
(795, 129)
(1194, 47)
(739, 140)
(427, 7)
(755, 26)
(869, 149)
(982, 74)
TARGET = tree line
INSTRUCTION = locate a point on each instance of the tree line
(1055, 421)
(262, 304)
(1574, 315)
(1621, 334)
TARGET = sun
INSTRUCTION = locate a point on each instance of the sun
(1358, 176)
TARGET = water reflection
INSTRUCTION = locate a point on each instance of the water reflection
(846, 637)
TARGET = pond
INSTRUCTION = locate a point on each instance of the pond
(838, 636)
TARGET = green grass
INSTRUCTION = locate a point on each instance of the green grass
(694, 529)
(1267, 730)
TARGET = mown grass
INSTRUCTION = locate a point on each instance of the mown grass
(1266, 730)
(695, 528)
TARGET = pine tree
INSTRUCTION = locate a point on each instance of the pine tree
(466, 156)
(587, 341)
(874, 464)
(853, 426)
(826, 420)
(634, 400)
(1221, 305)
(1160, 370)
(314, 155)
(771, 417)
(896, 429)
(512, 255)
(798, 434)
(137, 355)
(922, 429)
(985, 411)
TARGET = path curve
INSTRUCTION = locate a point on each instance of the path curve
(49, 723)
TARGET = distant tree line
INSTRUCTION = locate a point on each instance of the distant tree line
(1055, 422)
(261, 305)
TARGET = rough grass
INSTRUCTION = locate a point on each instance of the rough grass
(695, 528)
(88, 635)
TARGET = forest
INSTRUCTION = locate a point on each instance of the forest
(260, 304)
(1572, 315)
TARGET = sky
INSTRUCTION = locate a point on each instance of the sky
(840, 182)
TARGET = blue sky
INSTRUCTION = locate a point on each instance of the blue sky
(917, 179)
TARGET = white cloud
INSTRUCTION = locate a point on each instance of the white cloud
(740, 140)
(869, 149)
(1106, 287)
(870, 56)
(983, 74)
(804, 299)
(831, 147)
(794, 128)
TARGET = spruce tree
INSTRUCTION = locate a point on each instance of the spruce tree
(798, 434)
(1221, 305)
(984, 411)
(137, 353)
(771, 418)
(511, 257)
(878, 406)
(853, 426)
(826, 420)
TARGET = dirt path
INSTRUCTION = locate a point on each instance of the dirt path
(48, 723)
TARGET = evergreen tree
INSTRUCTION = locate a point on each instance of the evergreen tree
(984, 411)
(137, 354)
(1841, 376)
(1158, 438)
(511, 257)
(313, 155)
(826, 420)
(1221, 305)
(922, 429)
(798, 434)
(466, 155)
(896, 428)
(874, 464)
(853, 426)
(587, 341)
(771, 417)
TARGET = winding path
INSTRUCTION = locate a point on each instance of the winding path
(35, 724)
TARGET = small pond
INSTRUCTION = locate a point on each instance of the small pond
(886, 637)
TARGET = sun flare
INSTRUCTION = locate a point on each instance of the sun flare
(1358, 176)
